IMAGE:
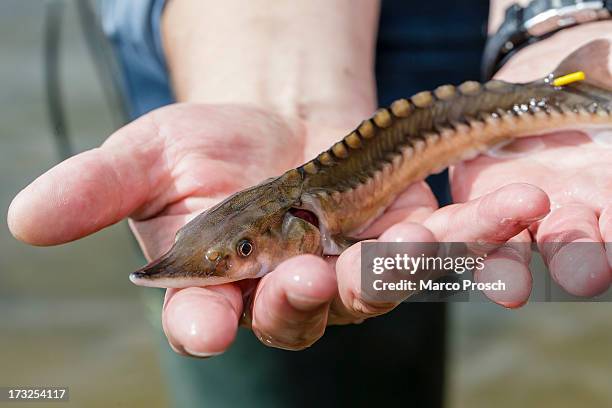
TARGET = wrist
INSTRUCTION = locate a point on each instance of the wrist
(332, 101)
(539, 59)
(296, 59)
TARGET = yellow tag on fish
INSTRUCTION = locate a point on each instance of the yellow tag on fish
(569, 78)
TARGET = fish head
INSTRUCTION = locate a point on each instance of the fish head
(245, 236)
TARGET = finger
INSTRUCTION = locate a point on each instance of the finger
(493, 218)
(202, 322)
(508, 264)
(291, 303)
(571, 246)
(488, 222)
(605, 228)
(91, 190)
(354, 304)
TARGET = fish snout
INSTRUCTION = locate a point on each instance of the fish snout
(173, 271)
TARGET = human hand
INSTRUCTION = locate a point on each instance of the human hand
(576, 174)
(166, 167)
(573, 169)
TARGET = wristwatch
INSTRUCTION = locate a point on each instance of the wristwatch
(537, 20)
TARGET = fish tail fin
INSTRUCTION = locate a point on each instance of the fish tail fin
(591, 63)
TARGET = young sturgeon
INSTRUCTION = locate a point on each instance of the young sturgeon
(320, 206)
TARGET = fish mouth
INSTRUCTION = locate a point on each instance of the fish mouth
(140, 279)
(166, 272)
(155, 272)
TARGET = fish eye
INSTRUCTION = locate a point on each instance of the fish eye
(244, 247)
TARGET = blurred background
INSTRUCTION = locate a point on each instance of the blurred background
(70, 317)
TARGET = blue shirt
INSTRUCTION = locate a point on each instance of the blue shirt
(133, 28)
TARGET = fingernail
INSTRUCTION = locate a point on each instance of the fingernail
(512, 305)
(167, 296)
(270, 341)
(201, 354)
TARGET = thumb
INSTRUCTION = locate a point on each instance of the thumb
(91, 190)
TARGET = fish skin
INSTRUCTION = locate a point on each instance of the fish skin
(347, 186)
